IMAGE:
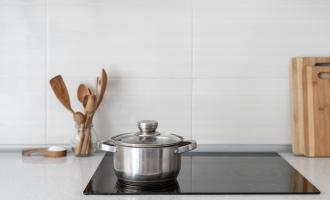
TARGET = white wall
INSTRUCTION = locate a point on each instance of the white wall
(212, 70)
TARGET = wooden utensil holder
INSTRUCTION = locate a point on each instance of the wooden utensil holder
(84, 141)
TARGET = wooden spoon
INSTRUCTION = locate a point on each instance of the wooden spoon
(53, 151)
(79, 118)
(100, 90)
(101, 87)
(62, 94)
(82, 93)
(90, 110)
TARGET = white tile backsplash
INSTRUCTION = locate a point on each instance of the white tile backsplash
(22, 40)
(22, 72)
(212, 70)
(131, 39)
(256, 38)
(251, 111)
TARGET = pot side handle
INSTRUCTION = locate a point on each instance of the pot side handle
(107, 145)
(186, 145)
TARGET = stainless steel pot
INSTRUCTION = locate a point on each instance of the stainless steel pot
(147, 156)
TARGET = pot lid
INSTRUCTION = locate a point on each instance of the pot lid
(147, 136)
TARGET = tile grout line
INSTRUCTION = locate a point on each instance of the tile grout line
(192, 65)
(172, 78)
(191, 68)
(46, 72)
(191, 76)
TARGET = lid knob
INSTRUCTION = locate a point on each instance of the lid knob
(147, 127)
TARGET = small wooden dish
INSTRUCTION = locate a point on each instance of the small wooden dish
(53, 151)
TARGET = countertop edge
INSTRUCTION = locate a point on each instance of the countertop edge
(201, 147)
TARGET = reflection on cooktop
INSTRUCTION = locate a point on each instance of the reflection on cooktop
(214, 173)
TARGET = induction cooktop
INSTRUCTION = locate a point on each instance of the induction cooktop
(213, 173)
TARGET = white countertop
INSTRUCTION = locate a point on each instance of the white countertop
(38, 178)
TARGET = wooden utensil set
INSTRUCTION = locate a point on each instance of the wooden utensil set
(90, 101)
(310, 105)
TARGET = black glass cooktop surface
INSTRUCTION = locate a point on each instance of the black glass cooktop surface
(214, 173)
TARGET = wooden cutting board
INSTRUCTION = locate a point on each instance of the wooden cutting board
(299, 104)
(318, 99)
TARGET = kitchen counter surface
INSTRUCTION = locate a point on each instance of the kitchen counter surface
(39, 178)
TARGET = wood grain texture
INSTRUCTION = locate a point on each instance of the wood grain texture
(299, 104)
(309, 138)
(61, 91)
(318, 91)
(43, 151)
(82, 93)
(30, 151)
(101, 87)
(297, 107)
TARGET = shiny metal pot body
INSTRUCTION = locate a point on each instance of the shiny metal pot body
(147, 165)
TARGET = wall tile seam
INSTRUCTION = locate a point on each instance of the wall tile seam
(192, 66)
(191, 78)
(46, 72)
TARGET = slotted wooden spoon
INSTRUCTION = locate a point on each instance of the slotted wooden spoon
(61, 92)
